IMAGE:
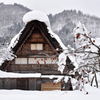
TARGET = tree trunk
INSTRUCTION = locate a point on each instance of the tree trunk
(92, 80)
(96, 80)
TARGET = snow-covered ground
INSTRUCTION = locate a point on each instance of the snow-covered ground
(94, 93)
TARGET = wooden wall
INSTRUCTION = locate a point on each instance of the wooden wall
(6, 83)
(29, 84)
(26, 52)
(35, 68)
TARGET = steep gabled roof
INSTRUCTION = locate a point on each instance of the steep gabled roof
(28, 30)
(36, 19)
(32, 20)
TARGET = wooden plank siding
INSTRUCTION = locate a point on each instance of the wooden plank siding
(6, 83)
(26, 52)
(29, 84)
(49, 69)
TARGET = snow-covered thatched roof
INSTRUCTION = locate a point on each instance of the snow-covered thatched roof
(41, 17)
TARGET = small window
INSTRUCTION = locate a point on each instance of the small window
(42, 60)
(32, 61)
(36, 46)
(36, 61)
(21, 61)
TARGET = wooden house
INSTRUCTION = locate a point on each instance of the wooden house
(36, 51)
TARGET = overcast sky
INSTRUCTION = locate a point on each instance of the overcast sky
(91, 7)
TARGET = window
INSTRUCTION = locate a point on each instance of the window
(42, 60)
(37, 46)
(36, 61)
(32, 61)
(21, 61)
(51, 60)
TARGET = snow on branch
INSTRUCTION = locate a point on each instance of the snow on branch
(6, 55)
(86, 47)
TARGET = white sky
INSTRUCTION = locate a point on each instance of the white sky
(54, 6)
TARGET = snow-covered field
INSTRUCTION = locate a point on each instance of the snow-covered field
(94, 93)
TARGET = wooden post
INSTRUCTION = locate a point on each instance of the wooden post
(92, 81)
(94, 77)
(96, 80)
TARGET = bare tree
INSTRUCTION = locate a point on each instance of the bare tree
(87, 50)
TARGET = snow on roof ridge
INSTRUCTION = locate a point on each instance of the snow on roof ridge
(36, 15)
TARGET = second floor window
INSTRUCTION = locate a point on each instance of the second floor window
(38, 46)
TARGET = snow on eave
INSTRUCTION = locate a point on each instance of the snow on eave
(15, 40)
(53, 35)
(4, 74)
(1, 61)
(18, 75)
(73, 60)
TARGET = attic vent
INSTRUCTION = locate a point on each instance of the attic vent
(37, 46)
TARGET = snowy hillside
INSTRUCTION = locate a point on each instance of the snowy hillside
(10, 21)
(62, 23)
